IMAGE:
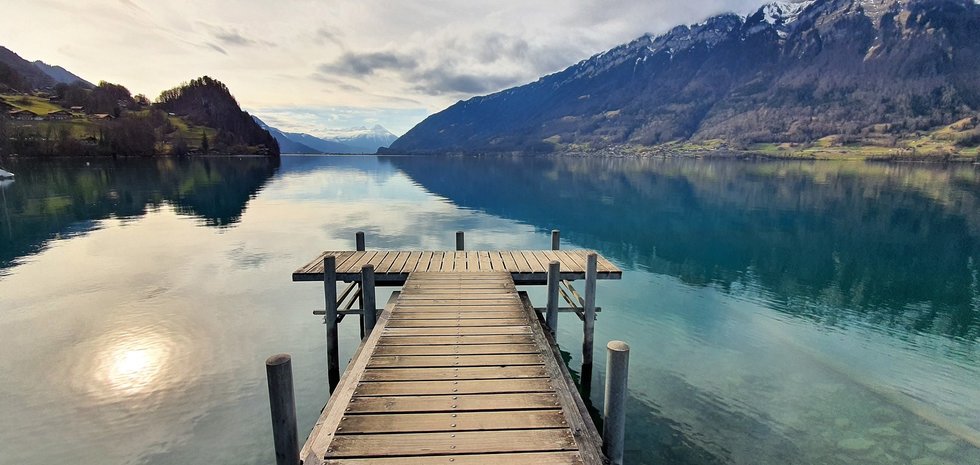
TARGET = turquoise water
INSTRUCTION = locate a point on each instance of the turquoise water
(778, 312)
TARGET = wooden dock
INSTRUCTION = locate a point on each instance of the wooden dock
(458, 370)
(459, 367)
(392, 267)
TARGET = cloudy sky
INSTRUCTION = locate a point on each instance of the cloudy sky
(312, 65)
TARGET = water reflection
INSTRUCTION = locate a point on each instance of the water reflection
(132, 366)
(57, 198)
(894, 245)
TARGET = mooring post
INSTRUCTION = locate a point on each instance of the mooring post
(555, 239)
(359, 241)
(279, 372)
(330, 320)
(369, 309)
(459, 240)
(614, 405)
(359, 246)
(589, 323)
(551, 317)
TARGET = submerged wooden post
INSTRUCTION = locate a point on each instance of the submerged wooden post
(359, 241)
(614, 405)
(369, 309)
(279, 372)
(589, 307)
(555, 239)
(330, 320)
(459, 240)
(551, 317)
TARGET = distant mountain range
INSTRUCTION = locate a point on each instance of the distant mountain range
(21, 75)
(788, 73)
(355, 140)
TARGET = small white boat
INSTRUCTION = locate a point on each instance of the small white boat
(6, 174)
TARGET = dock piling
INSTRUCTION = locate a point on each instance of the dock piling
(369, 309)
(589, 308)
(614, 406)
(551, 317)
(279, 372)
(330, 320)
(555, 239)
(459, 240)
(359, 240)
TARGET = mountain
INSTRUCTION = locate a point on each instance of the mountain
(286, 144)
(790, 72)
(60, 74)
(361, 139)
(207, 102)
(19, 74)
(355, 140)
(318, 144)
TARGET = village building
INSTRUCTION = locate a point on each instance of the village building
(101, 116)
(60, 115)
(24, 115)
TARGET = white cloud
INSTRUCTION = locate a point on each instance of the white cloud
(389, 61)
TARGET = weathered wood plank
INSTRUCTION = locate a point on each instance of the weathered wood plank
(508, 259)
(411, 263)
(497, 262)
(436, 374)
(377, 259)
(490, 310)
(359, 260)
(443, 323)
(433, 361)
(453, 403)
(462, 421)
(390, 340)
(461, 349)
(467, 330)
(463, 442)
(473, 261)
(483, 258)
(528, 458)
(447, 315)
(482, 386)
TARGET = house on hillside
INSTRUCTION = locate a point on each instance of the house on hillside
(24, 115)
(60, 115)
(101, 116)
(77, 109)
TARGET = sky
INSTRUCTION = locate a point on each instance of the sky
(314, 65)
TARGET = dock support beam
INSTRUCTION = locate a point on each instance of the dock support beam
(591, 272)
(459, 240)
(279, 372)
(555, 239)
(614, 406)
(330, 320)
(551, 317)
(368, 308)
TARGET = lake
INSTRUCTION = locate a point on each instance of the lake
(778, 312)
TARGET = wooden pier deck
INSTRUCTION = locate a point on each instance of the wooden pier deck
(392, 267)
(457, 371)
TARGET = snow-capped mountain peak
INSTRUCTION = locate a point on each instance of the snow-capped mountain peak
(783, 12)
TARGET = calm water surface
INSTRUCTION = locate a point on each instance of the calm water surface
(779, 313)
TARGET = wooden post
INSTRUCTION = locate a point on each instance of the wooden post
(614, 405)
(367, 294)
(459, 240)
(359, 241)
(555, 239)
(359, 246)
(279, 372)
(330, 320)
(589, 308)
(551, 317)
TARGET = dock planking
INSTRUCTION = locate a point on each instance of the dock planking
(392, 267)
(458, 370)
